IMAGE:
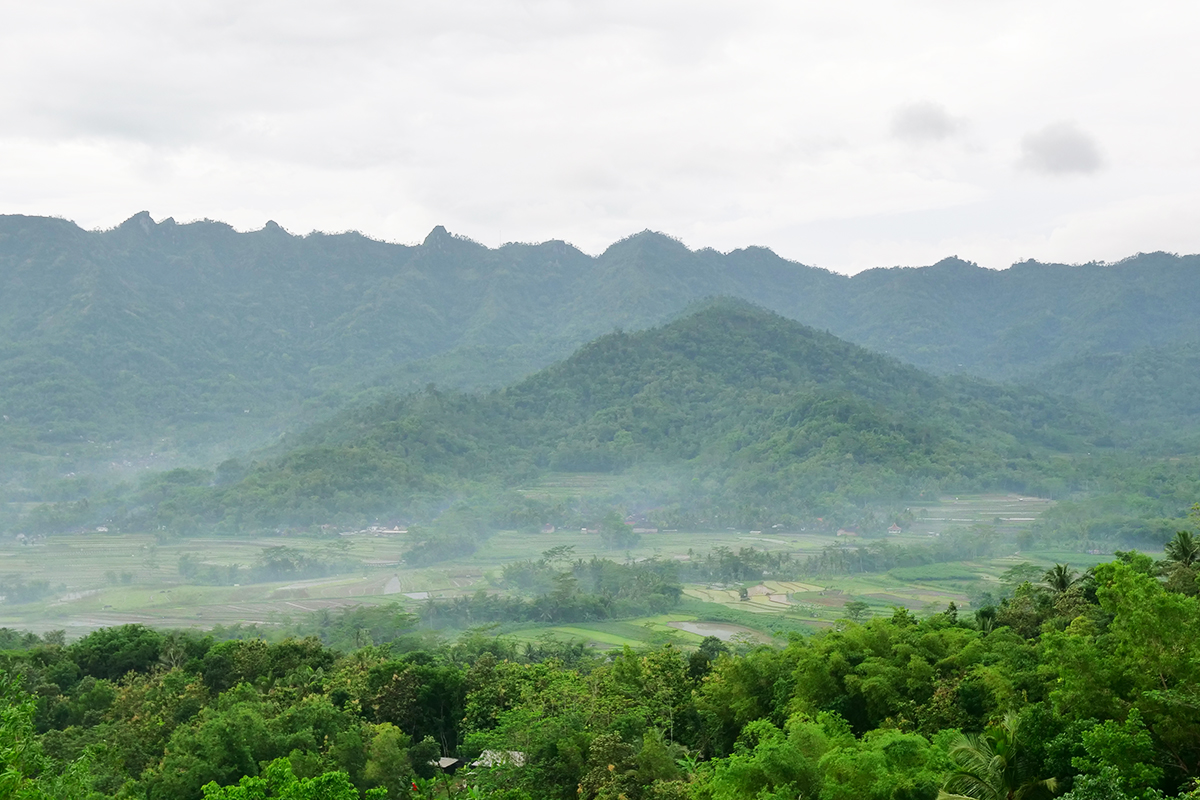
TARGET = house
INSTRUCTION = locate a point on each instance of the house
(446, 764)
(500, 758)
(894, 529)
(847, 532)
(548, 528)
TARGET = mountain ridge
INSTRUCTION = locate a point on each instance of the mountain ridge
(192, 341)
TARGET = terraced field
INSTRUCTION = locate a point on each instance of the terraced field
(101, 579)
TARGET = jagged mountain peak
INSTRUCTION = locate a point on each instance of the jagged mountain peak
(141, 221)
(438, 235)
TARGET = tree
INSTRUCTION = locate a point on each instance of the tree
(857, 610)
(1183, 550)
(388, 765)
(1148, 658)
(18, 749)
(615, 534)
(1121, 754)
(767, 763)
(1059, 578)
(278, 781)
(112, 652)
(985, 618)
(991, 767)
(1182, 563)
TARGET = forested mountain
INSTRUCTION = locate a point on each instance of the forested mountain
(1155, 388)
(194, 340)
(731, 411)
(955, 316)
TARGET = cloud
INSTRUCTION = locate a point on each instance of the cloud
(775, 123)
(1060, 149)
(922, 122)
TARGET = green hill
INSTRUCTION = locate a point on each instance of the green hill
(730, 411)
(1155, 389)
(156, 344)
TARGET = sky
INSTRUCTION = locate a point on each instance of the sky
(841, 135)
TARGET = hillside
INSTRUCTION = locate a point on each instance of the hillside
(1156, 389)
(153, 344)
(728, 411)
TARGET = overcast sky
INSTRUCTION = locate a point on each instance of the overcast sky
(844, 135)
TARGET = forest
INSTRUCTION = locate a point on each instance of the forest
(157, 344)
(288, 493)
(730, 412)
(1081, 686)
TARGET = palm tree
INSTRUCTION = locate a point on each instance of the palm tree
(174, 651)
(991, 767)
(1183, 550)
(1060, 577)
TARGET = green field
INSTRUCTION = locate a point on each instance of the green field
(102, 579)
(683, 629)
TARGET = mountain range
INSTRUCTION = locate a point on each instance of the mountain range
(159, 343)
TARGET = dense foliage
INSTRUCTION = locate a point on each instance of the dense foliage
(585, 591)
(155, 344)
(1084, 685)
(1154, 388)
(731, 413)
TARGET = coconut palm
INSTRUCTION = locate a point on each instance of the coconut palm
(1183, 550)
(1060, 577)
(991, 767)
(985, 618)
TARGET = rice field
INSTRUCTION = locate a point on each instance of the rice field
(102, 579)
(681, 629)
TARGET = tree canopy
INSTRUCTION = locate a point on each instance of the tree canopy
(1091, 693)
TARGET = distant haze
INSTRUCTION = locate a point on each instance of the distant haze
(844, 136)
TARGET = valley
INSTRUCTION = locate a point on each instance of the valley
(299, 512)
(105, 579)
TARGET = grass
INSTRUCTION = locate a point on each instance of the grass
(935, 572)
(592, 635)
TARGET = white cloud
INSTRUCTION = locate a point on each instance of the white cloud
(724, 124)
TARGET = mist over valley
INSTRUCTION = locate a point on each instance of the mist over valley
(264, 475)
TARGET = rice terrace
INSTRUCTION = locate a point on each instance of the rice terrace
(136, 578)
